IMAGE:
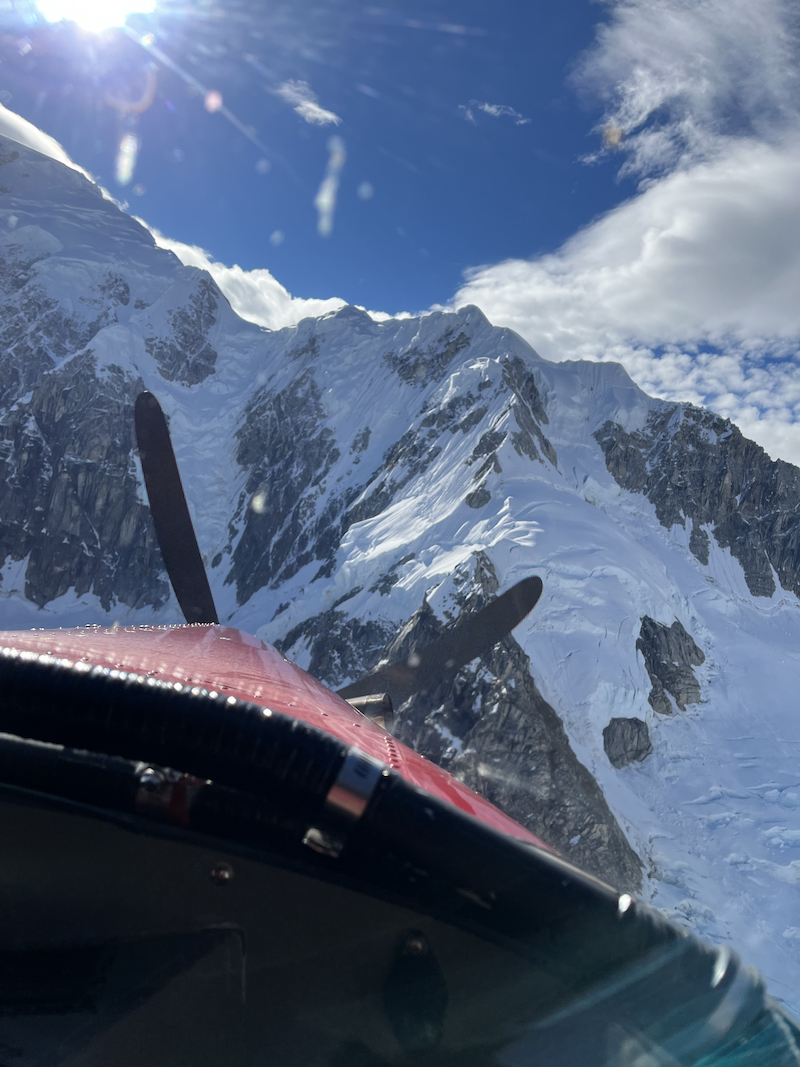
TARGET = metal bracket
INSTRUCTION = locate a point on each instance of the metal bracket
(345, 803)
(377, 707)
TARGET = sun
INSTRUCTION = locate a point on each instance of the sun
(93, 15)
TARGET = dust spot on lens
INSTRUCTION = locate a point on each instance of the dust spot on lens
(325, 200)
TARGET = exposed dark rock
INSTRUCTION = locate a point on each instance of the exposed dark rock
(528, 411)
(310, 349)
(699, 543)
(288, 450)
(487, 445)
(35, 332)
(386, 581)
(669, 655)
(7, 154)
(186, 356)
(339, 646)
(478, 498)
(361, 441)
(472, 419)
(692, 464)
(418, 366)
(449, 416)
(109, 293)
(68, 490)
(626, 741)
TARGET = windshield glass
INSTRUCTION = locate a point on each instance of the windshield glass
(437, 298)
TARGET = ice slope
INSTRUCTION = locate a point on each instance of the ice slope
(714, 812)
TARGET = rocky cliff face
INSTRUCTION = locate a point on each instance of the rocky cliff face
(669, 656)
(69, 497)
(356, 485)
(691, 464)
(626, 741)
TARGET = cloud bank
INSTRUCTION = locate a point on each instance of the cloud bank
(255, 295)
(694, 283)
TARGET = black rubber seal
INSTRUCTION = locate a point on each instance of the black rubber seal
(231, 741)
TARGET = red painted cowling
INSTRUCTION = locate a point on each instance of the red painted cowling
(235, 663)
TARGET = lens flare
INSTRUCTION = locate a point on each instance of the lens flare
(125, 163)
(94, 15)
(213, 101)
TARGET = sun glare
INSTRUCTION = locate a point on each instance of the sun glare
(93, 15)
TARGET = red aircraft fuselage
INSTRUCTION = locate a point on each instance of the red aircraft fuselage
(234, 663)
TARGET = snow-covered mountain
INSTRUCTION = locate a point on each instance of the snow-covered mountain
(356, 485)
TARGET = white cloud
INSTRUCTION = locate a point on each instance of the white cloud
(693, 284)
(255, 295)
(304, 102)
(680, 76)
(495, 110)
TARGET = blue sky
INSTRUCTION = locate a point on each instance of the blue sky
(615, 181)
(452, 185)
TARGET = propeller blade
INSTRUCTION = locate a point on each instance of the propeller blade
(453, 649)
(174, 530)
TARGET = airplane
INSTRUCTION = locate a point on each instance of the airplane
(210, 858)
